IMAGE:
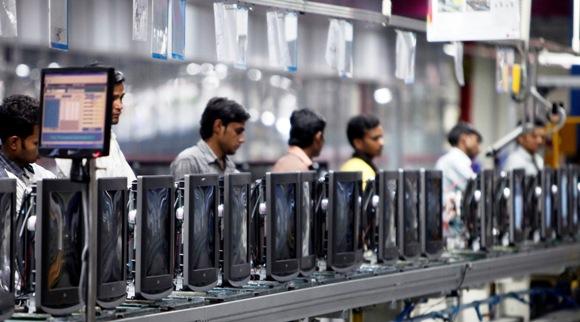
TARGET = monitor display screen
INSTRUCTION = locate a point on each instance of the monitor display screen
(65, 239)
(307, 245)
(111, 235)
(434, 211)
(574, 189)
(548, 202)
(344, 217)
(157, 230)
(391, 210)
(285, 237)
(5, 238)
(563, 189)
(239, 221)
(202, 251)
(74, 109)
(411, 211)
(518, 210)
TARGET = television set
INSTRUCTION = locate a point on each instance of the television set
(574, 213)
(201, 232)
(283, 225)
(431, 213)
(7, 247)
(486, 186)
(470, 213)
(409, 214)
(307, 197)
(154, 237)
(389, 192)
(516, 206)
(532, 213)
(236, 235)
(76, 111)
(369, 221)
(59, 243)
(548, 202)
(344, 200)
(501, 215)
(112, 241)
(563, 203)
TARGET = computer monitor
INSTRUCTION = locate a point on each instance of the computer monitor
(389, 191)
(369, 221)
(7, 247)
(563, 202)
(574, 219)
(236, 229)
(76, 111)
(307, 197)
(344, 194)
(154, 232)
(112, 241)
(501, 215)
(470, 213)
(431, 213)
(516, 206)
(532, 217)
(59, 239)
(201, 232)
(486, 186)
(409, 235)
(548, 203)
(282, 229)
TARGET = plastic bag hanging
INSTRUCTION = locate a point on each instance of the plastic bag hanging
(160, 31)
(458, 60)
(283, 39)
(8, 18)
(178, 30)
(231, 33)
(140, 19)
(339, 47)
(58, 13)
(405, 50)
(505, 59)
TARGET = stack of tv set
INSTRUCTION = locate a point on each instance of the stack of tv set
(223, 229)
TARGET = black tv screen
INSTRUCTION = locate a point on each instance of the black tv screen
(563, 207)
(410, 220)
(240, 223)
(433, 213)
(487, 185)
(7, 213)
(156, 240)
(306, 247)
(285, 238)
(388, 215)
(517, 186)
(345, 217)
(202, 253)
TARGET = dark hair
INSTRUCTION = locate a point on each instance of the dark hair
(359, 125)
(220, 108)
(18, 116)
(119, 76)
(461, 129)
(305, 123)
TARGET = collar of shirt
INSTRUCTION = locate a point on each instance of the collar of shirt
(14, 168)
(460, 155)
(300, 154)
(366, 159)
(210, 156)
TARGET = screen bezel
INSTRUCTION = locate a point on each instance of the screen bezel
(307, 263)
(517, 178)
(78, 153)
(546, 181)
(235, 275)
(61, 301)
(413, 249)
(8, 186)
(281, 270)
(388, 254)
(206, 278)
(111, 294)
(153, 287)
(344, 261)
(430, 248)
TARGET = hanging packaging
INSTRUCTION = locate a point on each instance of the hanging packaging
(140, 19)
(505, 58)
(58, 13)
(339, 47)
(405, 50)
(160, 31)
(283, 39)
(231, 33)
(458, 60)
(178, 30)
(8, 18)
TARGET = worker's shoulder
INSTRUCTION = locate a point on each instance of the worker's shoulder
(355, 164)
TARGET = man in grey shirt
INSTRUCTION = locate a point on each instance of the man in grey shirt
(222, 129)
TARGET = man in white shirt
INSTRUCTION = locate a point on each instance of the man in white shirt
(19, 130)
(115, 164)
(526, 154)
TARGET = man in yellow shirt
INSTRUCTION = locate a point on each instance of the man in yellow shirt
(365, 135)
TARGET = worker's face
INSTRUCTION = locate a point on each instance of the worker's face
(24, 151)
(318, 143)
(231, 137)
(372, 143)
(118, 94)
(534, 140)
(471, 143)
